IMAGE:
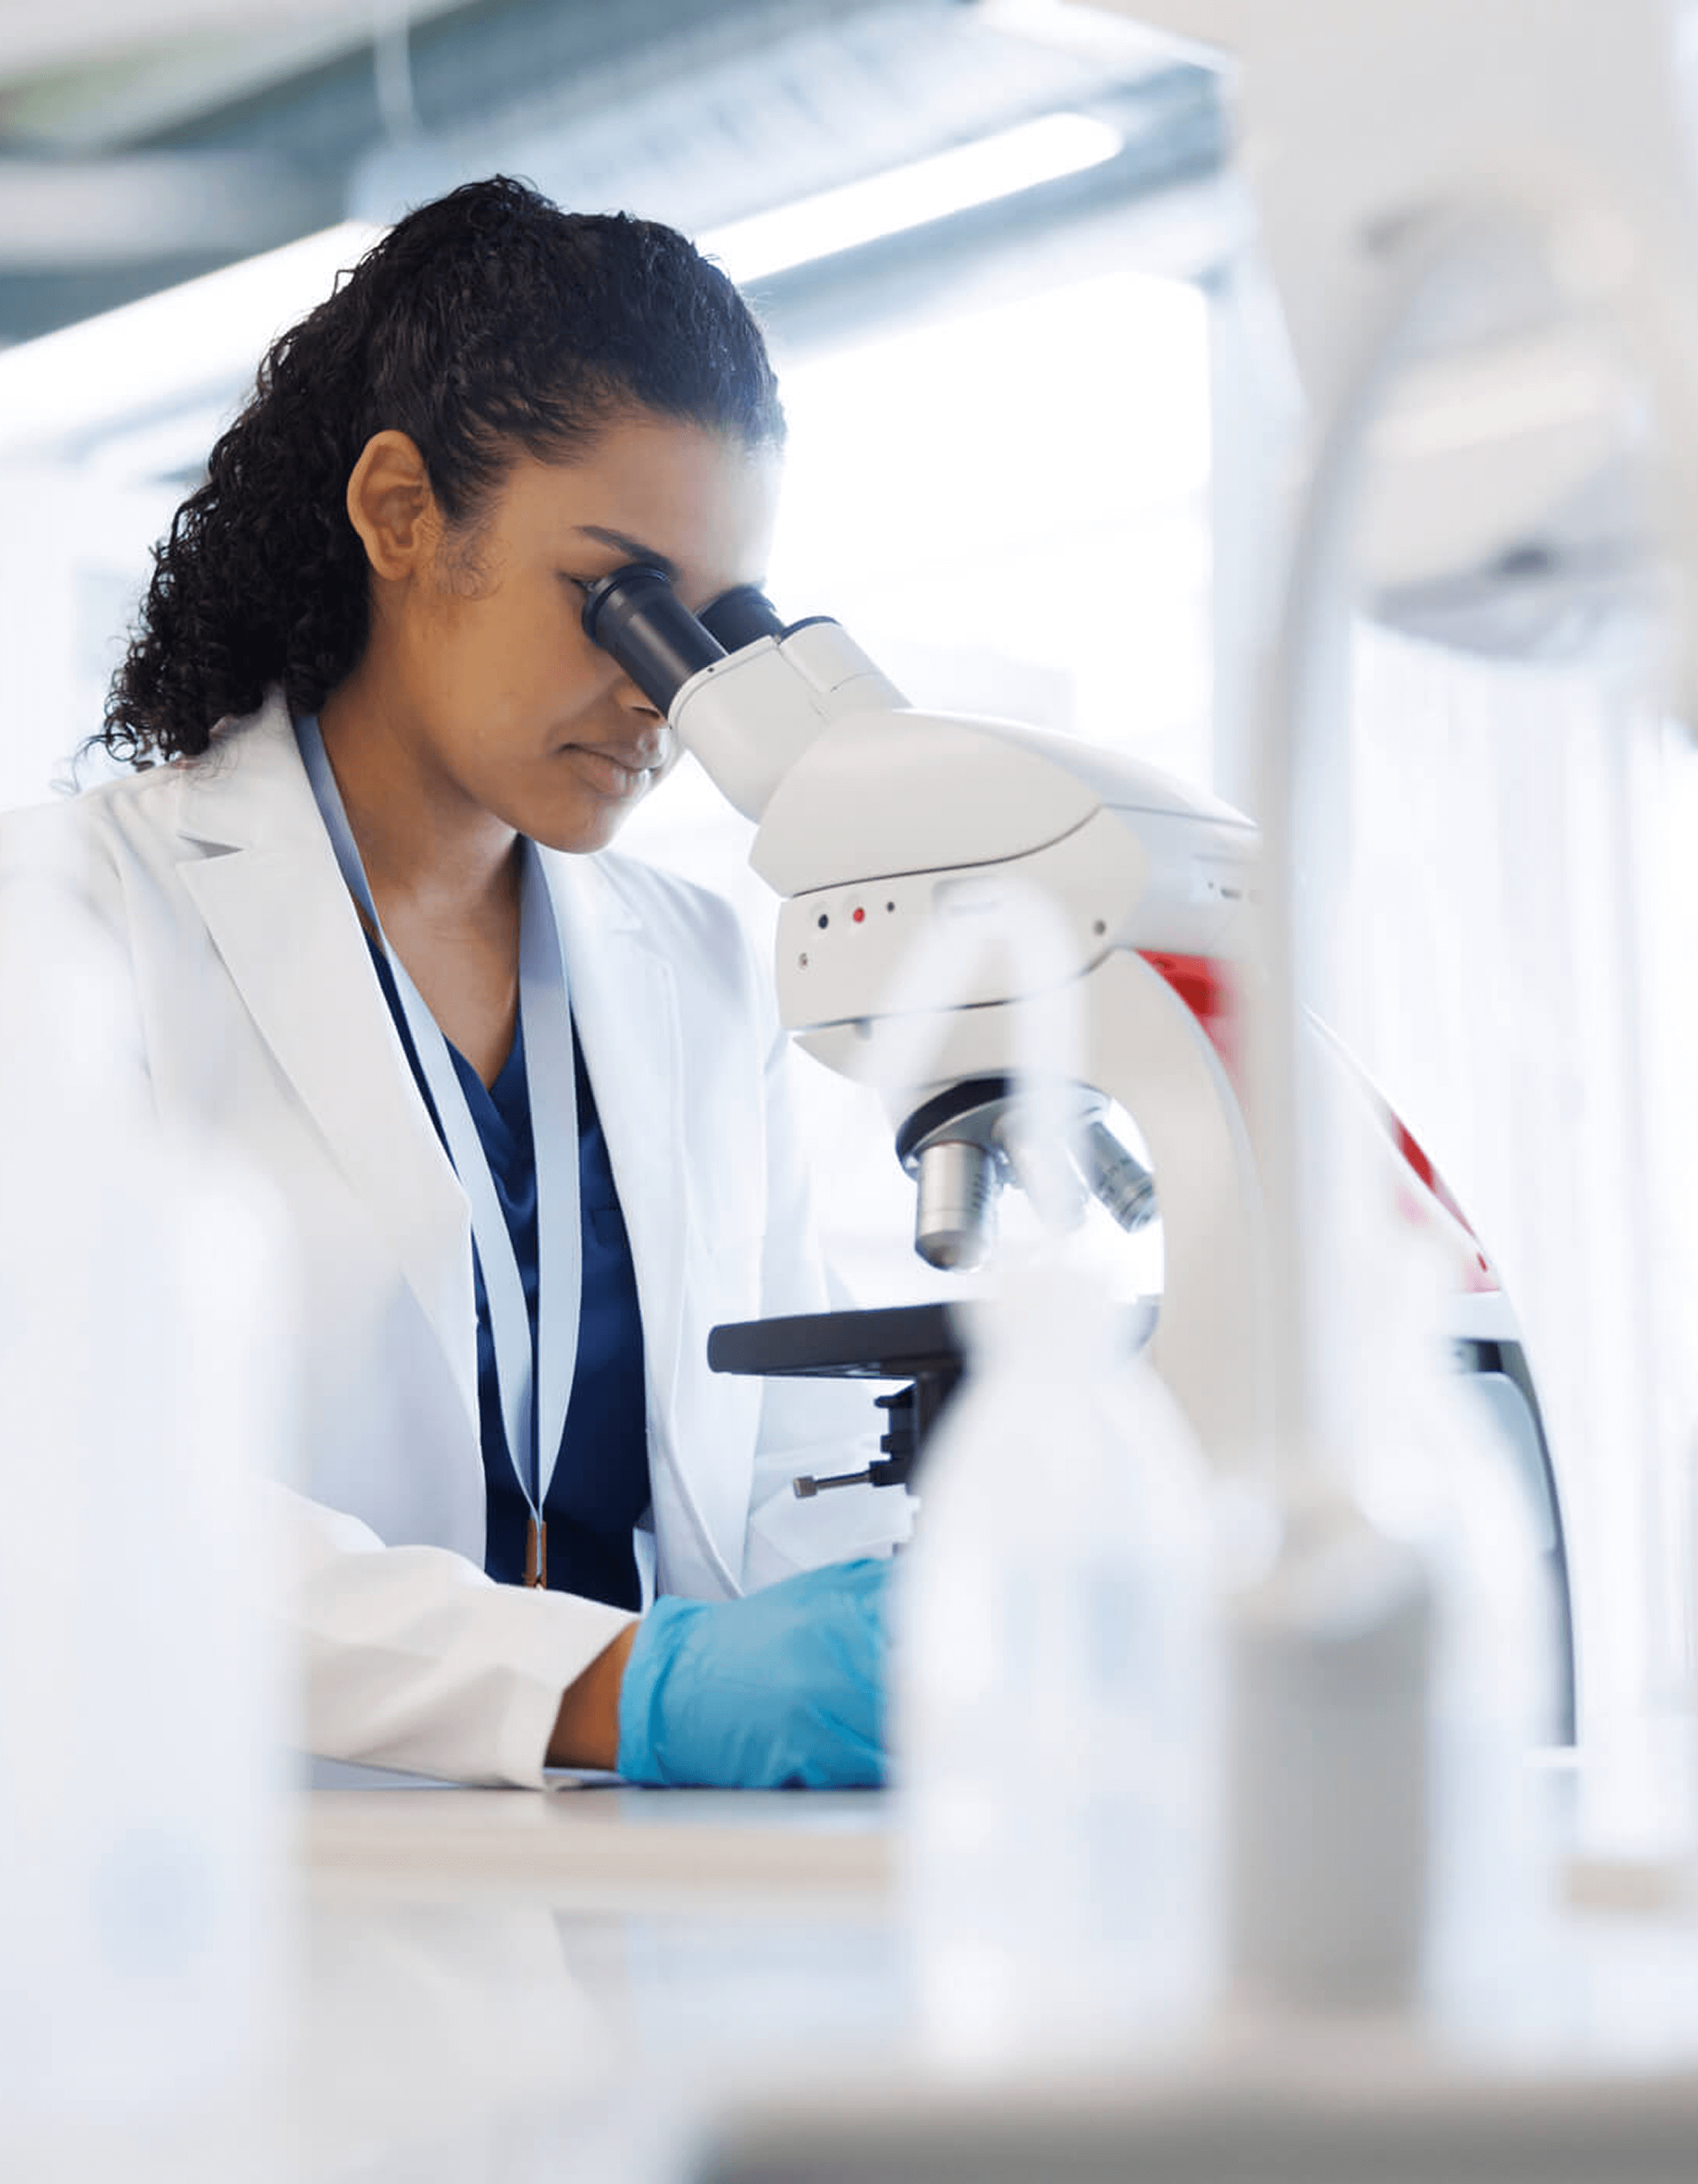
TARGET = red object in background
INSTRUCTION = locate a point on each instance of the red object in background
(1209, 988)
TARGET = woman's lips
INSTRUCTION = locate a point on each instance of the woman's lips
(622, 777)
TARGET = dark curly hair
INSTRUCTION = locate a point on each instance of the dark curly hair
(486, 324)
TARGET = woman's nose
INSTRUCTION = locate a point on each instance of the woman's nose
(632, 700)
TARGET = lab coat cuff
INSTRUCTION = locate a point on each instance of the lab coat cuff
(522, 1746)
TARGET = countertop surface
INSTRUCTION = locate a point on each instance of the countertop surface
(681, 1987)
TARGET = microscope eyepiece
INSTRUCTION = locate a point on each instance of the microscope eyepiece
(635, 614)
(742, 617)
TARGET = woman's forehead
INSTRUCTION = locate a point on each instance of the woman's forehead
(661, 489)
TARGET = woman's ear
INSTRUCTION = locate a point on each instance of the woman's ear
(390, 505)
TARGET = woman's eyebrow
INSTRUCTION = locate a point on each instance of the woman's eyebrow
(632, 549)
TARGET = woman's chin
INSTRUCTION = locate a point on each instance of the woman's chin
(581, 832)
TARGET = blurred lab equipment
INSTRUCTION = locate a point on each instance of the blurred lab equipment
(1475, 244)
(1056, 1703)
(1057, 1710)
(143, 1707)
(1474, 288)
(1444, 201)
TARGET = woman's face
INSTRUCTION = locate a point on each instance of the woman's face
(481, 662)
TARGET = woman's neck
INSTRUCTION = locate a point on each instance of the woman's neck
(431, 852)
(444, 875)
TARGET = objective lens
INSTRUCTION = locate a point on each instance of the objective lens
(1125, 1186)
(955, 1208)
(635, 614)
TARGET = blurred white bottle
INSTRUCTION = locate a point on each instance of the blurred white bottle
(1443, 1478)
(143, 1346)
(1330, 1715)
(1389, 1675)
(1056, 1727)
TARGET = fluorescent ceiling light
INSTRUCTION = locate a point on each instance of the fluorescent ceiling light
(901, 197)
(205, 337)
(1094, 34)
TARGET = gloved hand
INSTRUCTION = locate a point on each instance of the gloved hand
(784, 1686)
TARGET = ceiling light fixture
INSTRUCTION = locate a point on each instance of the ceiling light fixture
(901, 197)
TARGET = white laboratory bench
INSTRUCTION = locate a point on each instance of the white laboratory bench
(501, 1987)
(513, 1985)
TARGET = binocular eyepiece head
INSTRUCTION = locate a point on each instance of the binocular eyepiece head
(635, 616)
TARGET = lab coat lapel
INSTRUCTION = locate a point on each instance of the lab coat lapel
(282, 921)
(625, 1004)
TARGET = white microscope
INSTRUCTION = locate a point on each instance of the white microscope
(876, 822)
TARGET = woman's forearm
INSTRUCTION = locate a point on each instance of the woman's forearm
(587, 1727)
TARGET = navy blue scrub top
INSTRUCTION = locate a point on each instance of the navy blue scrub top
(600, 1483)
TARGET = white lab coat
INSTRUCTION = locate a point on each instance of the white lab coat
(261, 1019)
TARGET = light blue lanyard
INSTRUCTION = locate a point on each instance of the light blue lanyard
(533, 1416)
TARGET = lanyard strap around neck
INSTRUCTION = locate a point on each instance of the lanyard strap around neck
(536, 1383)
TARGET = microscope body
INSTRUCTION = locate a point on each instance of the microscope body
(1151, 883)
(878, 822)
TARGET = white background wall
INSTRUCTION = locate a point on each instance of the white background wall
(1519, 936)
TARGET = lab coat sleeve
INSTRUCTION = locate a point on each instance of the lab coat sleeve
(412, 1658)
(820, 1426)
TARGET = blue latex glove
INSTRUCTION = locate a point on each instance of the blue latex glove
(785, 1686)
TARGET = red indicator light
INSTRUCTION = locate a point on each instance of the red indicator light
(859, 916)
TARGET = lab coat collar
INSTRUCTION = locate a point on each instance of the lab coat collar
(625, 1004)
(631, 1018)
(284, 926)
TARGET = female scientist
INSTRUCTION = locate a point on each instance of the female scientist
(522, 1099)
